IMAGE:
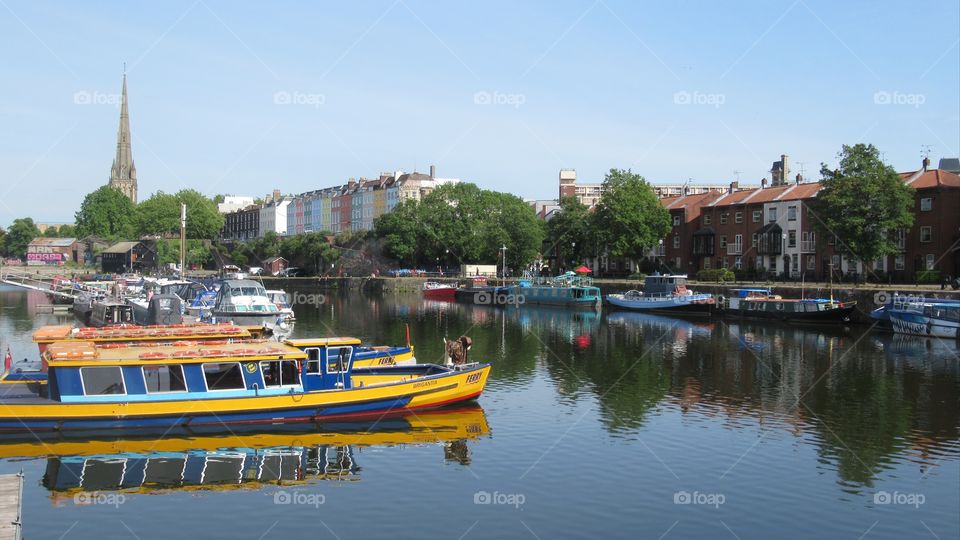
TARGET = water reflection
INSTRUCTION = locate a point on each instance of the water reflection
(283, 456)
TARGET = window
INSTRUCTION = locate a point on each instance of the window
(723, 242)
(930, 261)
(899, 262)
(792, 213)
(676, 241)
(223, 376)
(753, 240)
(706, 219)
(792, 239)
(772, 214)
(280, 373)
(676, 220)
(313, 361)
(102, 381)
(738, 217)
(725, 263)
(926, 204)
(706, 264)
(723, 218)
(338, 359)
(757, 215)
(676, 262)
(161, 379)
(738, 263)
(795, 262)
(738, 241)
(811, 263)
(926, 234)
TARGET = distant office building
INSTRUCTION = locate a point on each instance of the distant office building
(232, 203)
(590, 194)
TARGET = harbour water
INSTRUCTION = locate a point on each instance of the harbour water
(610, 424)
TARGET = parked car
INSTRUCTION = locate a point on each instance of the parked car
(255, 270)
(289, 272)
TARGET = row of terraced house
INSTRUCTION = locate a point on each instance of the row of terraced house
(771, 231)
(345, 208)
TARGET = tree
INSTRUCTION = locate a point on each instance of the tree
(160, 215)
(568, 231)
(310, 251)
(862, 203)
(629, 219)
(400, 231)
(21, 233)
(106, 212)
(3, 242)
(510, 222)
(51, 232)
(67, 231)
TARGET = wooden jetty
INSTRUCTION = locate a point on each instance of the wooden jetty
(11, 495)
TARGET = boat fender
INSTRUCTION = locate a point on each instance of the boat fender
(722, 301)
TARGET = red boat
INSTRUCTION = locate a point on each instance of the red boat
(439, 291)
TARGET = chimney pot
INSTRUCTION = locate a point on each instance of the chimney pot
(926, 163)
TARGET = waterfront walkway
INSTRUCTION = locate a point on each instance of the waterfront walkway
(11, 490)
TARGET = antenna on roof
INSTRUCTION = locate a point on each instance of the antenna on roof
(736, 175)
(925, 150)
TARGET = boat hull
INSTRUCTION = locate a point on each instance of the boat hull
(834, 315)
(443, 293)
(699, 305)
(373, 400)
(557, 296)
(918, 324)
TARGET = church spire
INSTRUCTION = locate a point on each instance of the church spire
(123, 173)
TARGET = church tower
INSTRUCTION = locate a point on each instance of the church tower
(123, 174)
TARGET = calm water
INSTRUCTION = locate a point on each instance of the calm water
(612, 425)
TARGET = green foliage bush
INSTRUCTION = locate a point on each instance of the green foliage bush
(716, 274)
(928, 276)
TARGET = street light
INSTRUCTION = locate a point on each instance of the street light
(503, 256)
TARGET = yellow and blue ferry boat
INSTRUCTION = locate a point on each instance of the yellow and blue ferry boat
(91, 387)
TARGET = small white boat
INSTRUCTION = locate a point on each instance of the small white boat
(280, 299)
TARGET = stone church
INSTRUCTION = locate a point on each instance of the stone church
(123, 174)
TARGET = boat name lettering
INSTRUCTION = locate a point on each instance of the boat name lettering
(425, 383)
(473, 378)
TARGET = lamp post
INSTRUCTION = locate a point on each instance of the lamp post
(503, 258)
(659, 253)
(573, 253)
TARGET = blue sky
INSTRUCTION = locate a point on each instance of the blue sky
(231, 97)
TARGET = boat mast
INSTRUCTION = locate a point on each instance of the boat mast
(183, 234)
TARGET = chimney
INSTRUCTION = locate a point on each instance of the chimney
(276, 195)
(351, 184)
(799, 178)
(784, 168)
(763, 183)
(926, 163)
(733, 187)
(433, 172)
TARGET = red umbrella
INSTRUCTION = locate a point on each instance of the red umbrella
(582, 270)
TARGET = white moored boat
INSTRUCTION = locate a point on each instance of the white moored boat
(666, 293)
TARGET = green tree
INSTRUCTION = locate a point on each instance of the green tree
(862, 203)
(51, 232)
(568, 231)
(160, 214)
(21, 233)
(629, 219)
(310, 251)
(400, 231)
(106, 212)
(508, 221)
(3, 242)
(67, 231)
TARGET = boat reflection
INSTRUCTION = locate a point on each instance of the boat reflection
(285, 456)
